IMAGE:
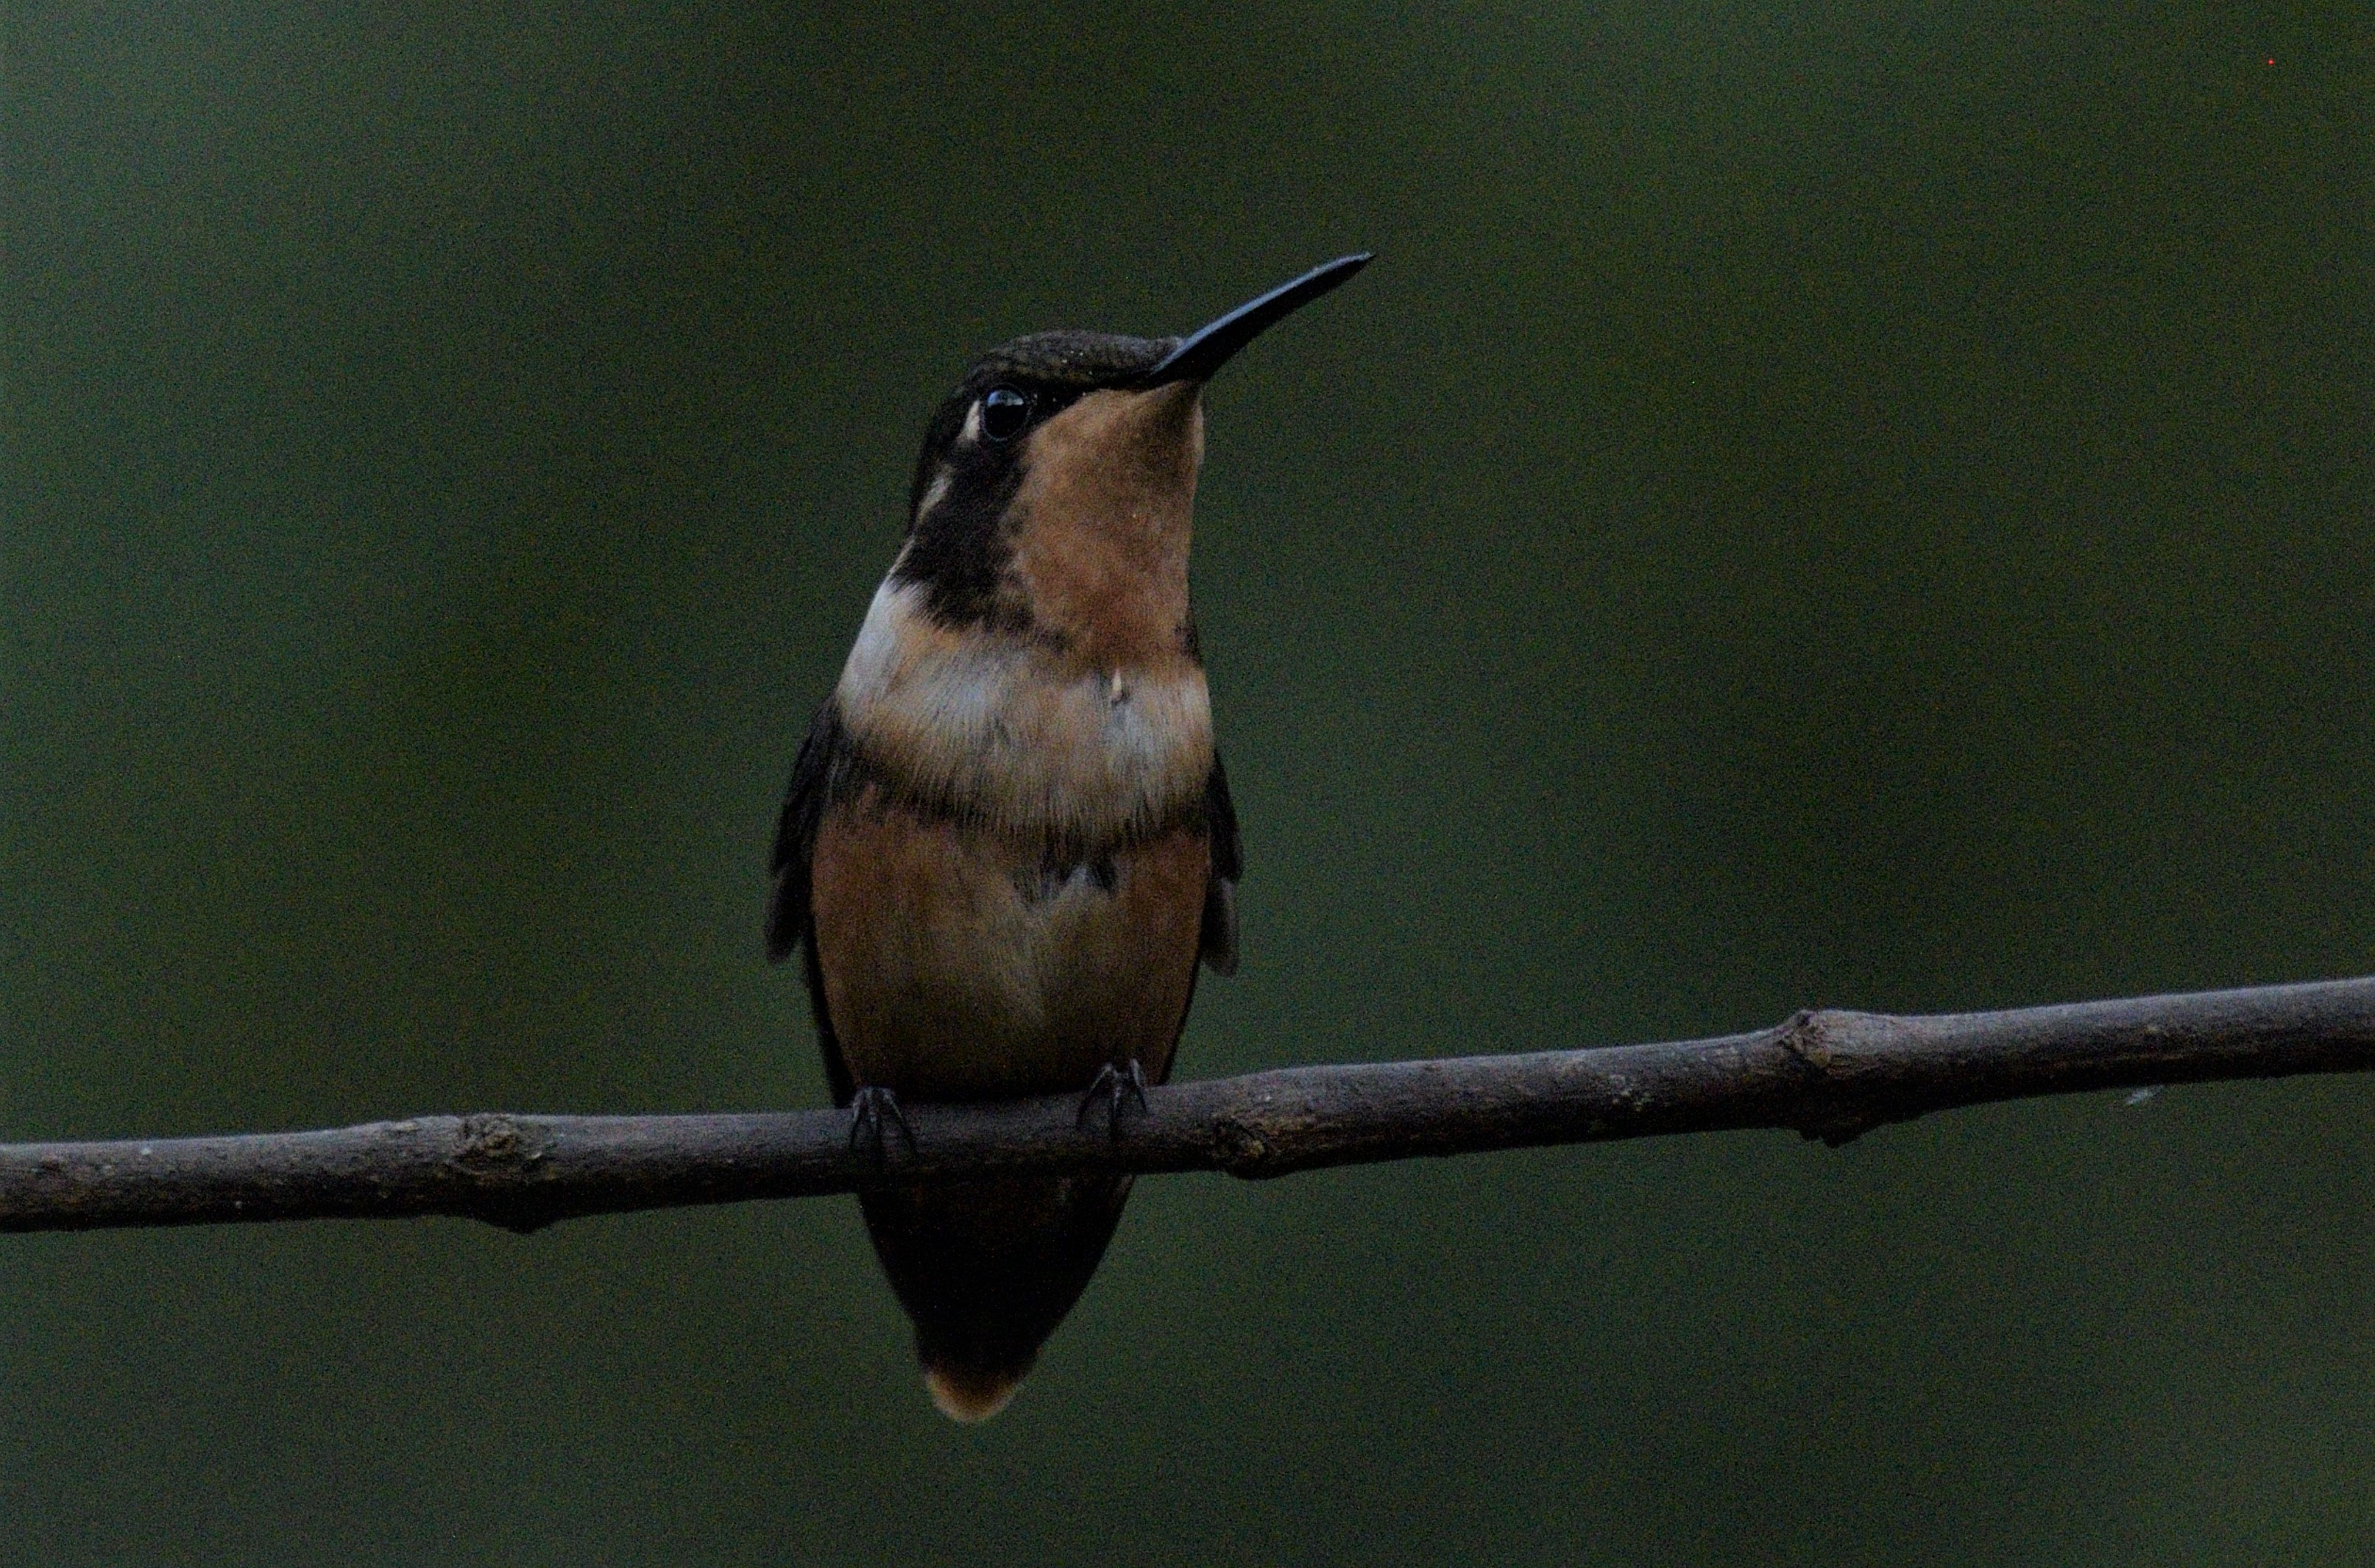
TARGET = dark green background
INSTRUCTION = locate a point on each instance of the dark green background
(1864, 504)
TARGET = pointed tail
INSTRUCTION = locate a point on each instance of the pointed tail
(986, 1270)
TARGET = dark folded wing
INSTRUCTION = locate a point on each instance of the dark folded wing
(823, 758)
(1220, 938)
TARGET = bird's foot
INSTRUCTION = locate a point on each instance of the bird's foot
(873, 1112)
(1116, 1083)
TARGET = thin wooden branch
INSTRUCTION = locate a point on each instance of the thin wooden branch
(1829, 1075)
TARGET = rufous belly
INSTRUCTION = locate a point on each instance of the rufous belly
(964, 962)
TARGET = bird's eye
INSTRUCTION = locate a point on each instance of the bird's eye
(1004, 412)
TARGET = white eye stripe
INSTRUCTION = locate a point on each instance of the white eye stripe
(933, 496)
(972, 431)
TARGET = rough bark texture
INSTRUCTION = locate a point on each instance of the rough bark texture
(1828, 1075)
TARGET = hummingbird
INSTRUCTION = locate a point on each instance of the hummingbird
(1008, 843)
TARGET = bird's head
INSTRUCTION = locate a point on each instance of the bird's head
(1054, 493)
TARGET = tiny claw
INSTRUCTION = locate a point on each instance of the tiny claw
(871, 1110)
(1114, 1084)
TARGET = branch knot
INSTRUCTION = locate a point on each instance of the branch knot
(1806, 1038)
(494, 1143)
(1238, 1149)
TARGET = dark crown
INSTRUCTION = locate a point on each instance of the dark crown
(1080, 361)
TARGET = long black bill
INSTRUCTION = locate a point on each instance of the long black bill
(1207, 349)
